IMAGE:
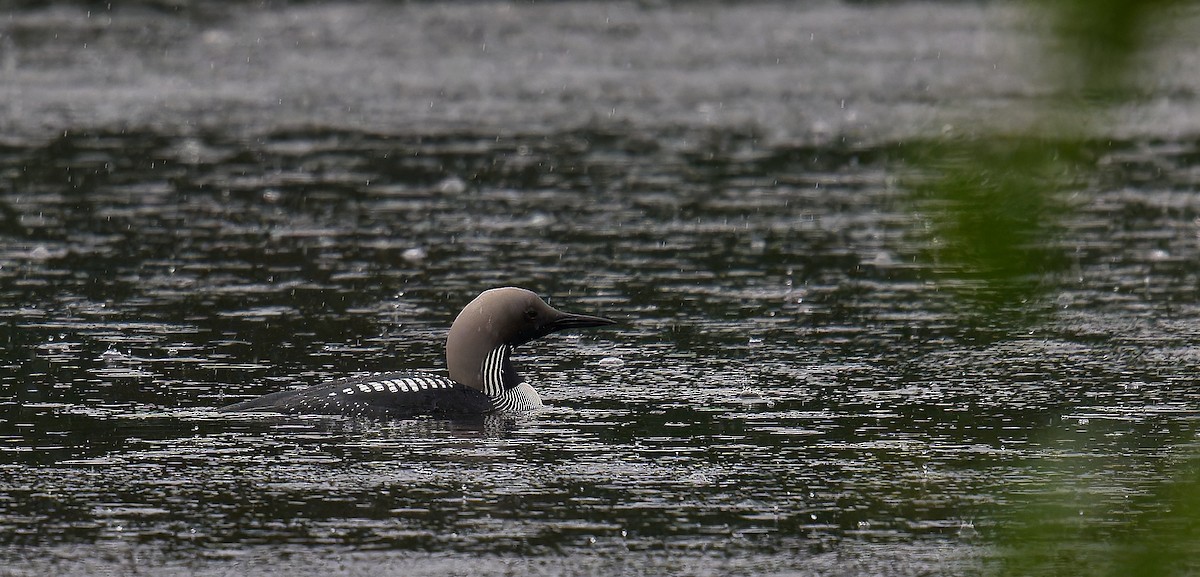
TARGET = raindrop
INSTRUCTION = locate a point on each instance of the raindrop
(39, 252)
(111, 355)
(452, 185)
(414, 254)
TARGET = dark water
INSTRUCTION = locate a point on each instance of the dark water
(791, 390)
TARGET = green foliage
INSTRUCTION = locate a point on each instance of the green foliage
(1101, 36)
(991, 206)
(1064, 530)
(991, 209)
(992, 201)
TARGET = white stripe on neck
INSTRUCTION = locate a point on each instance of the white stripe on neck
(493, 371)
(514, 399)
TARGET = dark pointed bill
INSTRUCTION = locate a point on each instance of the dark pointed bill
(574, 321)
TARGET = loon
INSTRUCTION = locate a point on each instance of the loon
(482, 378)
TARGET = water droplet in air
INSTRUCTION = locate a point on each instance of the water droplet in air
(414, 254)
(452, 185)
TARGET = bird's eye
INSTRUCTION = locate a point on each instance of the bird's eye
(530, 314)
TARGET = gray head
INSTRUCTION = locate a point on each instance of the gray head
(497, 320)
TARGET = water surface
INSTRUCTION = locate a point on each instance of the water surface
(792, 388)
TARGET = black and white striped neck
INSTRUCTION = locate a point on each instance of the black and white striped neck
(503, 386)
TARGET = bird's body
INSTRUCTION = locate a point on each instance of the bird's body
(381, 395)
(482, 378)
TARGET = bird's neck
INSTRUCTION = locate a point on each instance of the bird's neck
(491, 372)
(497, 374)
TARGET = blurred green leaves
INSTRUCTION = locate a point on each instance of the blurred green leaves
(993, 205)
(992, 208)
(1066, 529)
(992, 202)
(1100, 37)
